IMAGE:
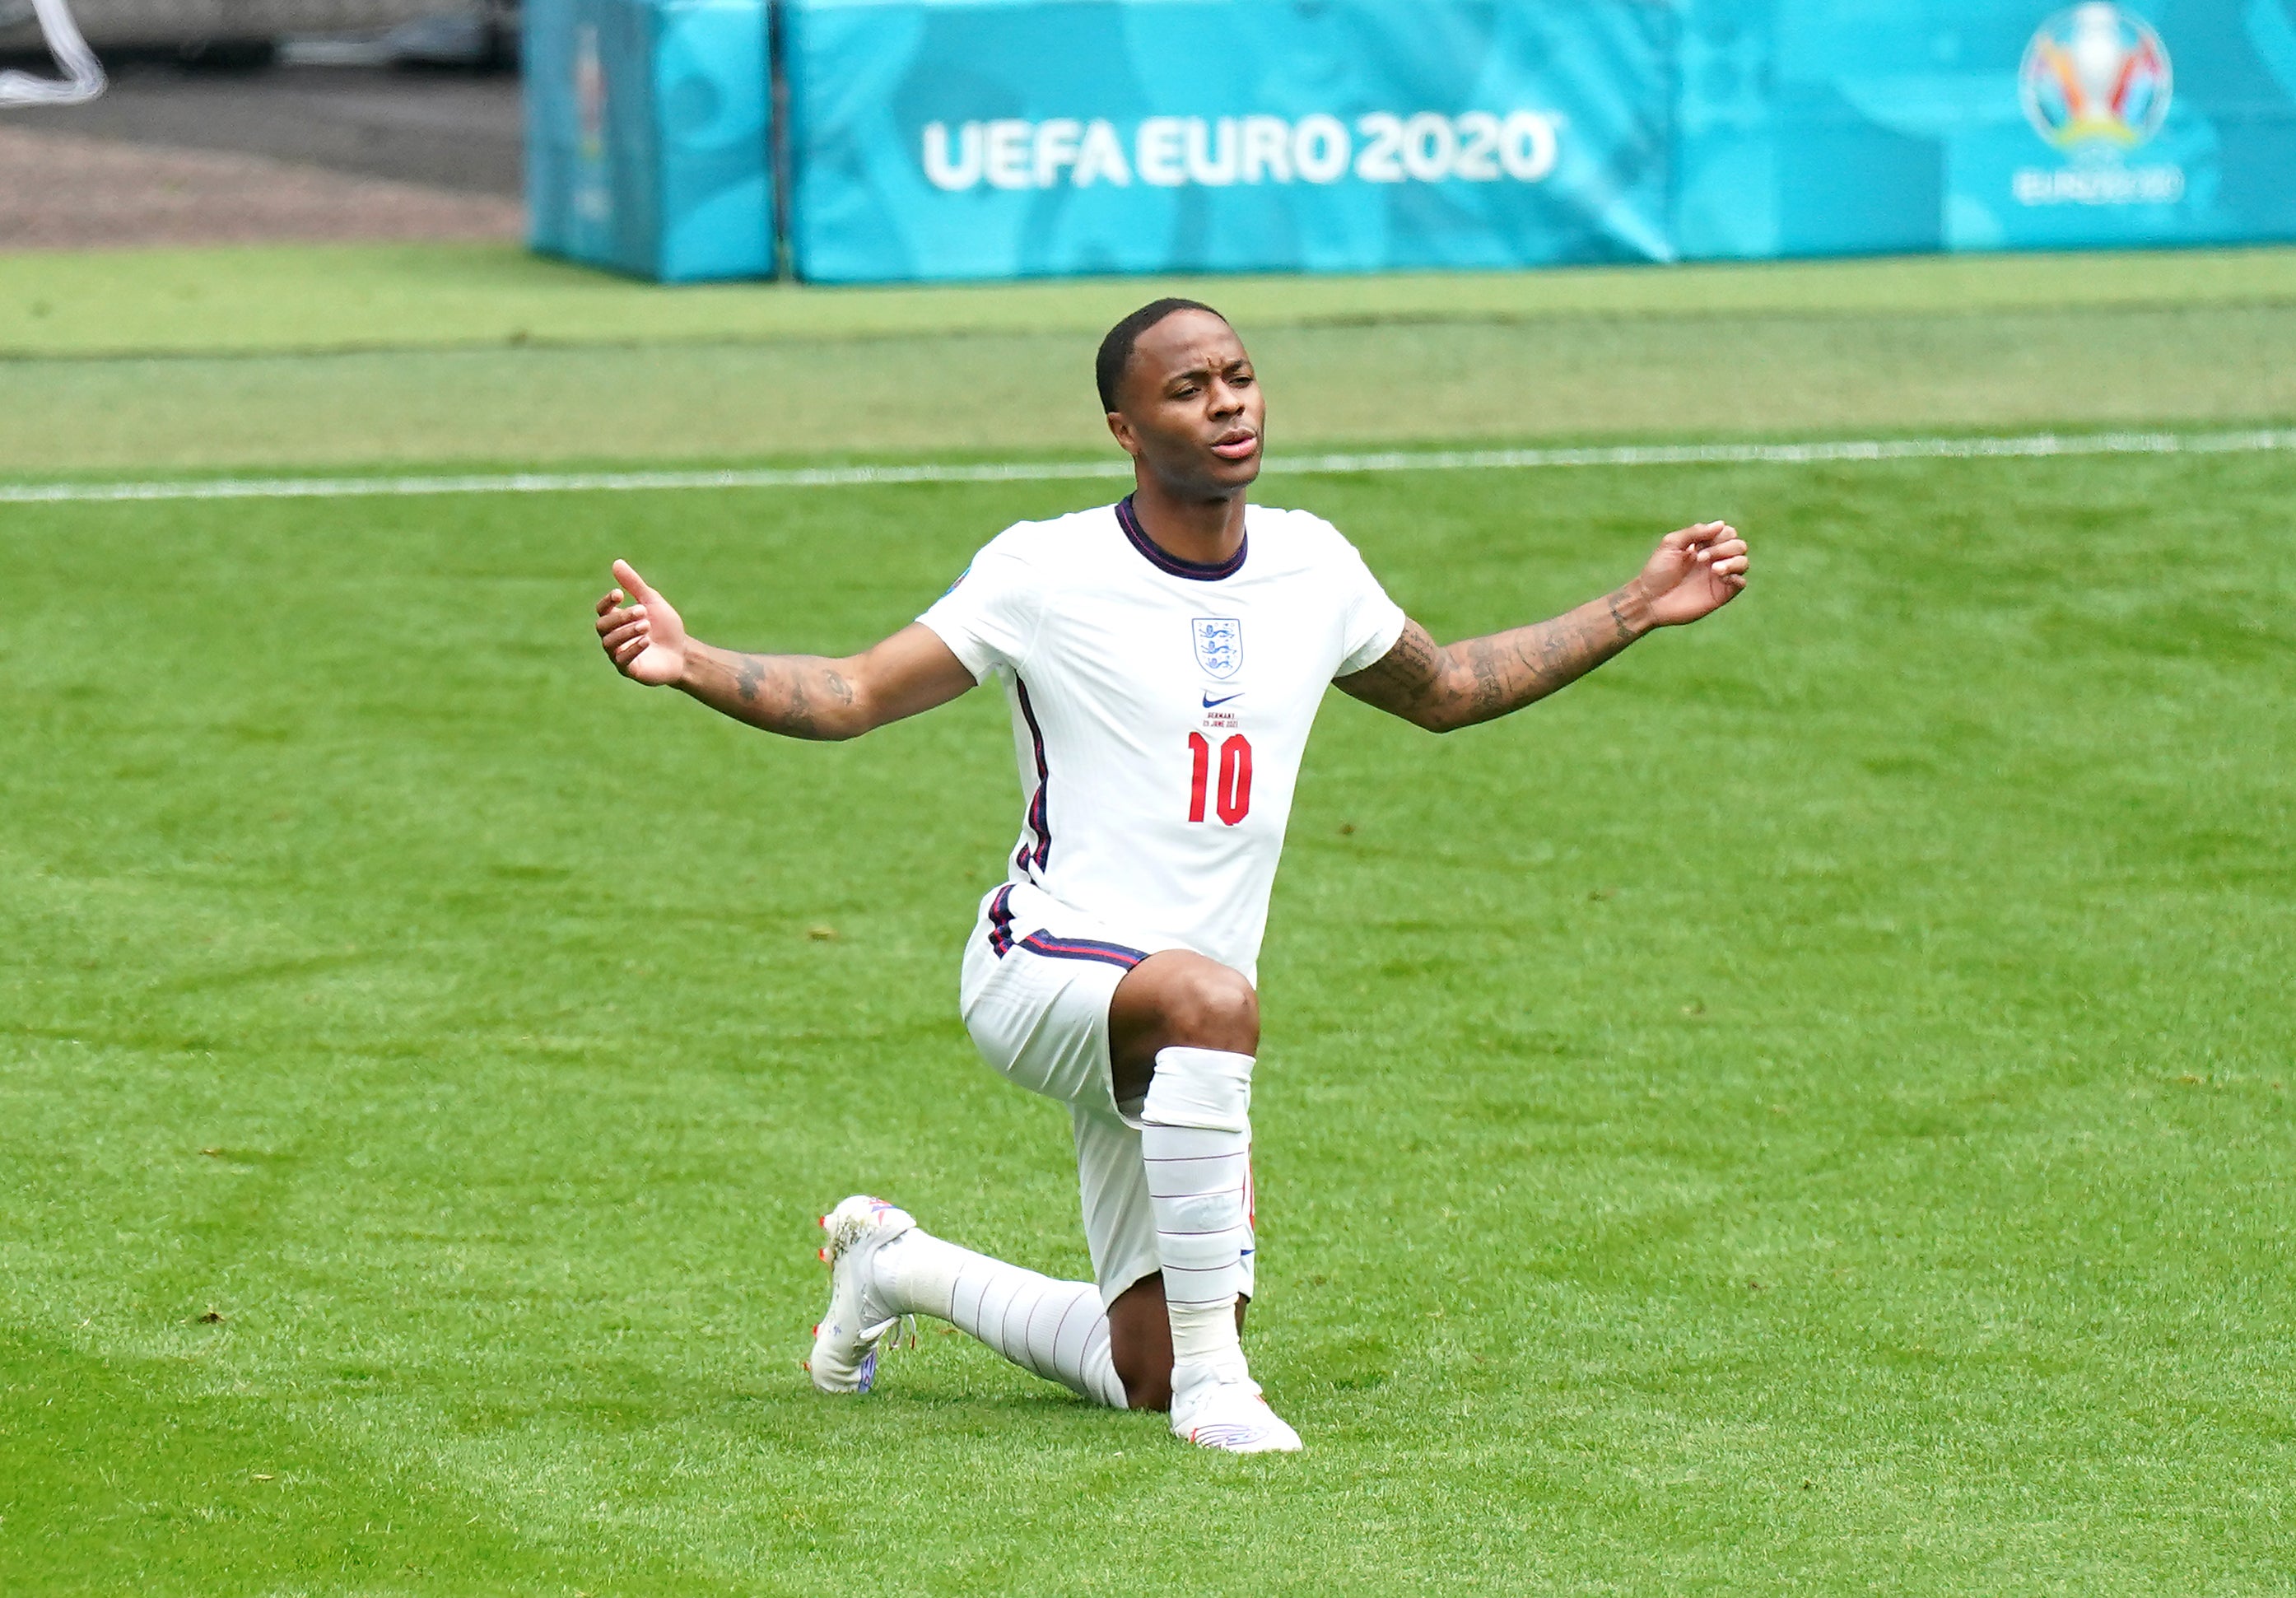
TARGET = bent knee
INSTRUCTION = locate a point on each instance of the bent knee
(1213, 1007)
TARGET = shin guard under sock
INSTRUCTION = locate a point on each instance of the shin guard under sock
(1195, 1138)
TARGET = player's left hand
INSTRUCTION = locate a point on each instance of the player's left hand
(1695, 572)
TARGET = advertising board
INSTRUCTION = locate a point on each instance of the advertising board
(1826, 126)
(1002, 138)
(983, 139)
(647, 146)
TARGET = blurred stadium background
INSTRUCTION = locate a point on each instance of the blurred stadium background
(269, 120)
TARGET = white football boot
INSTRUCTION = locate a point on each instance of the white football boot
(845, 1344)
(1219, 1410)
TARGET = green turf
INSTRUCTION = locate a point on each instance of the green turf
(1031, 394)
(305, 297)
(396, 357)
(1805, 1110)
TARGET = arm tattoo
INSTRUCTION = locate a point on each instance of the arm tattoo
(1619, 623)
(1483, 678)
(1491, 688)
(797, 712)
(777, 692)
(1403, 674)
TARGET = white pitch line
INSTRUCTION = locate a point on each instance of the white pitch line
(2030, 446)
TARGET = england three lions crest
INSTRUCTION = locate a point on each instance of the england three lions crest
(1219, 645)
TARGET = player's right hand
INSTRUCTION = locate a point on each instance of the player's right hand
(641, 632)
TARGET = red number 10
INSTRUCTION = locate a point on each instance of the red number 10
(1233, 800)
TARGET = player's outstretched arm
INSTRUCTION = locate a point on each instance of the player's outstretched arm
(799, 696)
(1693, 572)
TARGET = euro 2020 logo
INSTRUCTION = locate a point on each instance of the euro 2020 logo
(2096, 80)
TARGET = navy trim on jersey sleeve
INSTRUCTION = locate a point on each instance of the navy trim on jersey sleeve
(1199, 571)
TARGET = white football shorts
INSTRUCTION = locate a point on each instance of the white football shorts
(1038, 976)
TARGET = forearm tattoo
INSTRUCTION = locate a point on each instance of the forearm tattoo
(1482, 678)
(799, 696)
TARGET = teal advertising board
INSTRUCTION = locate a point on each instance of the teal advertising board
(956, 139)
(647, 146)
(1829, 126)
(999, 138)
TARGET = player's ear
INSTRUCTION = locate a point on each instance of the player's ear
(1120, 430)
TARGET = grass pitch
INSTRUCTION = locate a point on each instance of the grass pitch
(304, 299)
(1806, 1108)
(328, 357)
(1575, 378)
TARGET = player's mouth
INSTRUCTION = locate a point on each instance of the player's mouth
(1237, 444)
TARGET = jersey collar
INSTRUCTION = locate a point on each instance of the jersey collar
(1201, 571)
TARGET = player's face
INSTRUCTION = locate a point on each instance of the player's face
(1190, 407)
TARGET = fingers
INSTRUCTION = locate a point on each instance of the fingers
(1699, 535)
(625, 642)
(627, 576)
(1724, 551)
(624, 629)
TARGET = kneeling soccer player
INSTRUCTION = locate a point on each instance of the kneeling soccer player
(1164, 657)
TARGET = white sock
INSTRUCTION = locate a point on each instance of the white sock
(1056, 1330)
(1196, 1136)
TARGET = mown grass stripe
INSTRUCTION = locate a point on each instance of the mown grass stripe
(1816, 453)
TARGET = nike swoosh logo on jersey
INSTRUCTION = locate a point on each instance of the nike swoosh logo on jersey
(1210, 704)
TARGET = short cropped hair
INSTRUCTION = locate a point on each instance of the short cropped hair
(1116, 349)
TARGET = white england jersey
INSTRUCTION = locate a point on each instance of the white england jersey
(1160, 707)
